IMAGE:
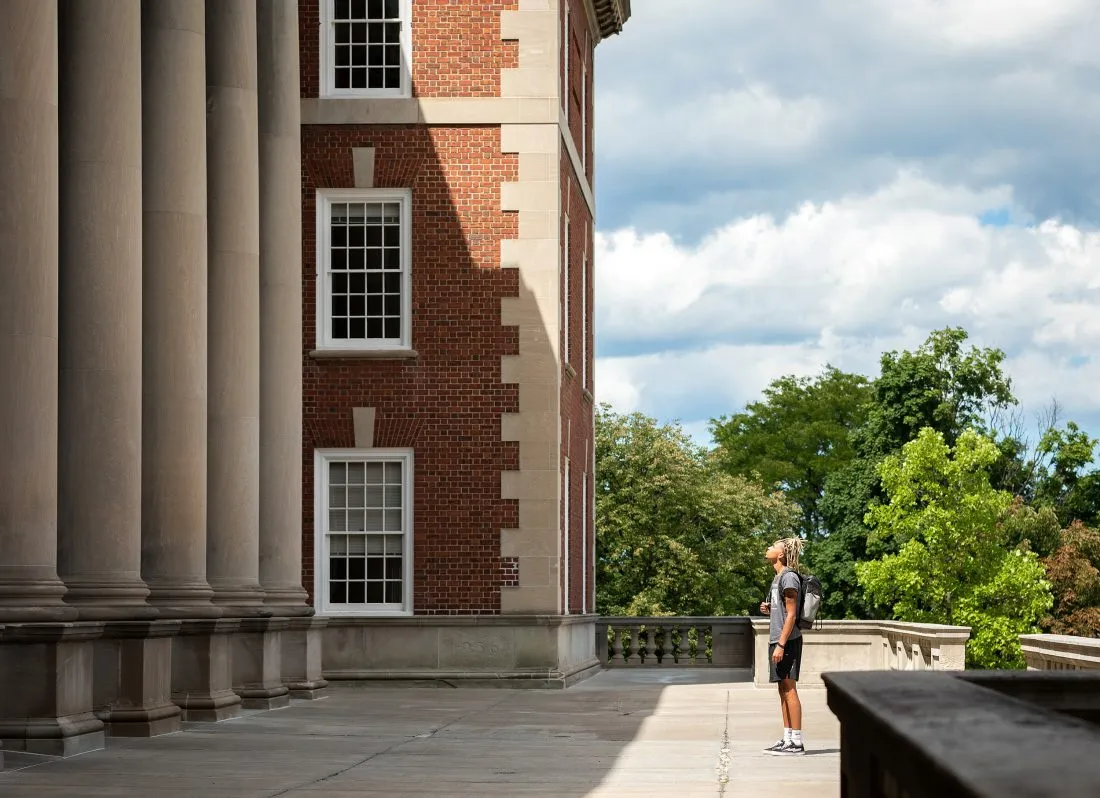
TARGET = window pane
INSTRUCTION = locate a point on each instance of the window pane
(339, 329)
(356, 521)
(355, 593)
(376, 496)
(376, 544)
(337, 473)
(357, 329)
(375, 594)
(393, 592)
(375, 568)
(393, 567)
(393, 473)
(337, 568)
(355, 495)
(356, 472)
(357, 544)
(375, 473)
(337, 521)
(337, 593)
(374, 328)
(338, 544)
(393, 544)
(357, 567)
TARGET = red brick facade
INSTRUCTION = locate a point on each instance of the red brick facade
(446, 402)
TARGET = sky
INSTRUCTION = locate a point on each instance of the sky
(783, 184)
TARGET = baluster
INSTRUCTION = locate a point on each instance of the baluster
(662, 649)
(634, 657)
(617, 656)
(706, 645)
(685, 646)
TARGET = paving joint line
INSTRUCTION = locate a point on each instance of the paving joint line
(724, 753)
(395, 746)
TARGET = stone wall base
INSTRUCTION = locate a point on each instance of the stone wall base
(534, 651)
(302, 643)
(257, 663)
(46, 694)
(132, 683)
(202, 670)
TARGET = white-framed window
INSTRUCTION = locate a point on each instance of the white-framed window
(364, 269)
(363, 524)
(565, 293)
(584, 543)
(584, 314)
(366, 48)
(565, 537)
(565, 52)
(584, 103)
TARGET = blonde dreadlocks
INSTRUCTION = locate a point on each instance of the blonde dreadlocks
(792, 551)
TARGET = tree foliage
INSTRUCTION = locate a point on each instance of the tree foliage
(795, 436)
(1074, 570)
(941, 385)
(675, 535)
(953, 562)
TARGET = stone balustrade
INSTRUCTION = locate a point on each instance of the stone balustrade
(869, 646)
(668, 642)
(1061, 652)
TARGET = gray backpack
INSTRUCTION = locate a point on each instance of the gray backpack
(809, 600)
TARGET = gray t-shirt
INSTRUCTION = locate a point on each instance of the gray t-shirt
(784, 580)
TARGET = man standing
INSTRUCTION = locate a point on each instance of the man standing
(785, 641)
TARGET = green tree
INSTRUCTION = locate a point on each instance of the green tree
(941, 385)
(795, 436)
(674, 534)
(953, 562)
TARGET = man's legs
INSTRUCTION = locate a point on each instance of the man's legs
(792, 706)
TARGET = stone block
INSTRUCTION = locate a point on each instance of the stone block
(303, 639)
(51, 710)
(133, 679)
(257, 663)
(202, 670)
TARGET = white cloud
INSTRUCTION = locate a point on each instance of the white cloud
(695, 330)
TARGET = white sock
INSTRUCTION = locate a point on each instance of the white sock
(787, 734)
(796, 736)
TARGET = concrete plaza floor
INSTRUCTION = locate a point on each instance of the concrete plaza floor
(634, 732)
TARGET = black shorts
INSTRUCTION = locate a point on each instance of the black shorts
(786, 668)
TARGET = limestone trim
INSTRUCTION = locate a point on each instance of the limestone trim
(536, 198)
(430, 111)
(364, 354)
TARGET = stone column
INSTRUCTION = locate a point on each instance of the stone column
(174, 379)
(29, 587)
(99, 449)
(233, 189)
(280, 308)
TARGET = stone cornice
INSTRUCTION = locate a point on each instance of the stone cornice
(611, 15)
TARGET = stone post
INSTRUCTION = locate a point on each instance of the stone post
(99, 449)
(280, 308)
(233, 188)
(29, 587)
(174, 353)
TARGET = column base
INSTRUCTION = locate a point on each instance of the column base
(183, 601)
(257, 663)
(202, 670)
(302, 644)
(32, 600)
(133, 679)
(46, 704)
(109, 601)
(240, 600)
(287, 602)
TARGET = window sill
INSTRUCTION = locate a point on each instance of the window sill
(587, 394)
(364, 354)
(572, 372)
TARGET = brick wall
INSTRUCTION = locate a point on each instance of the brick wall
(457, 50)
(446, 403)
(580, 50)
(576, 402)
